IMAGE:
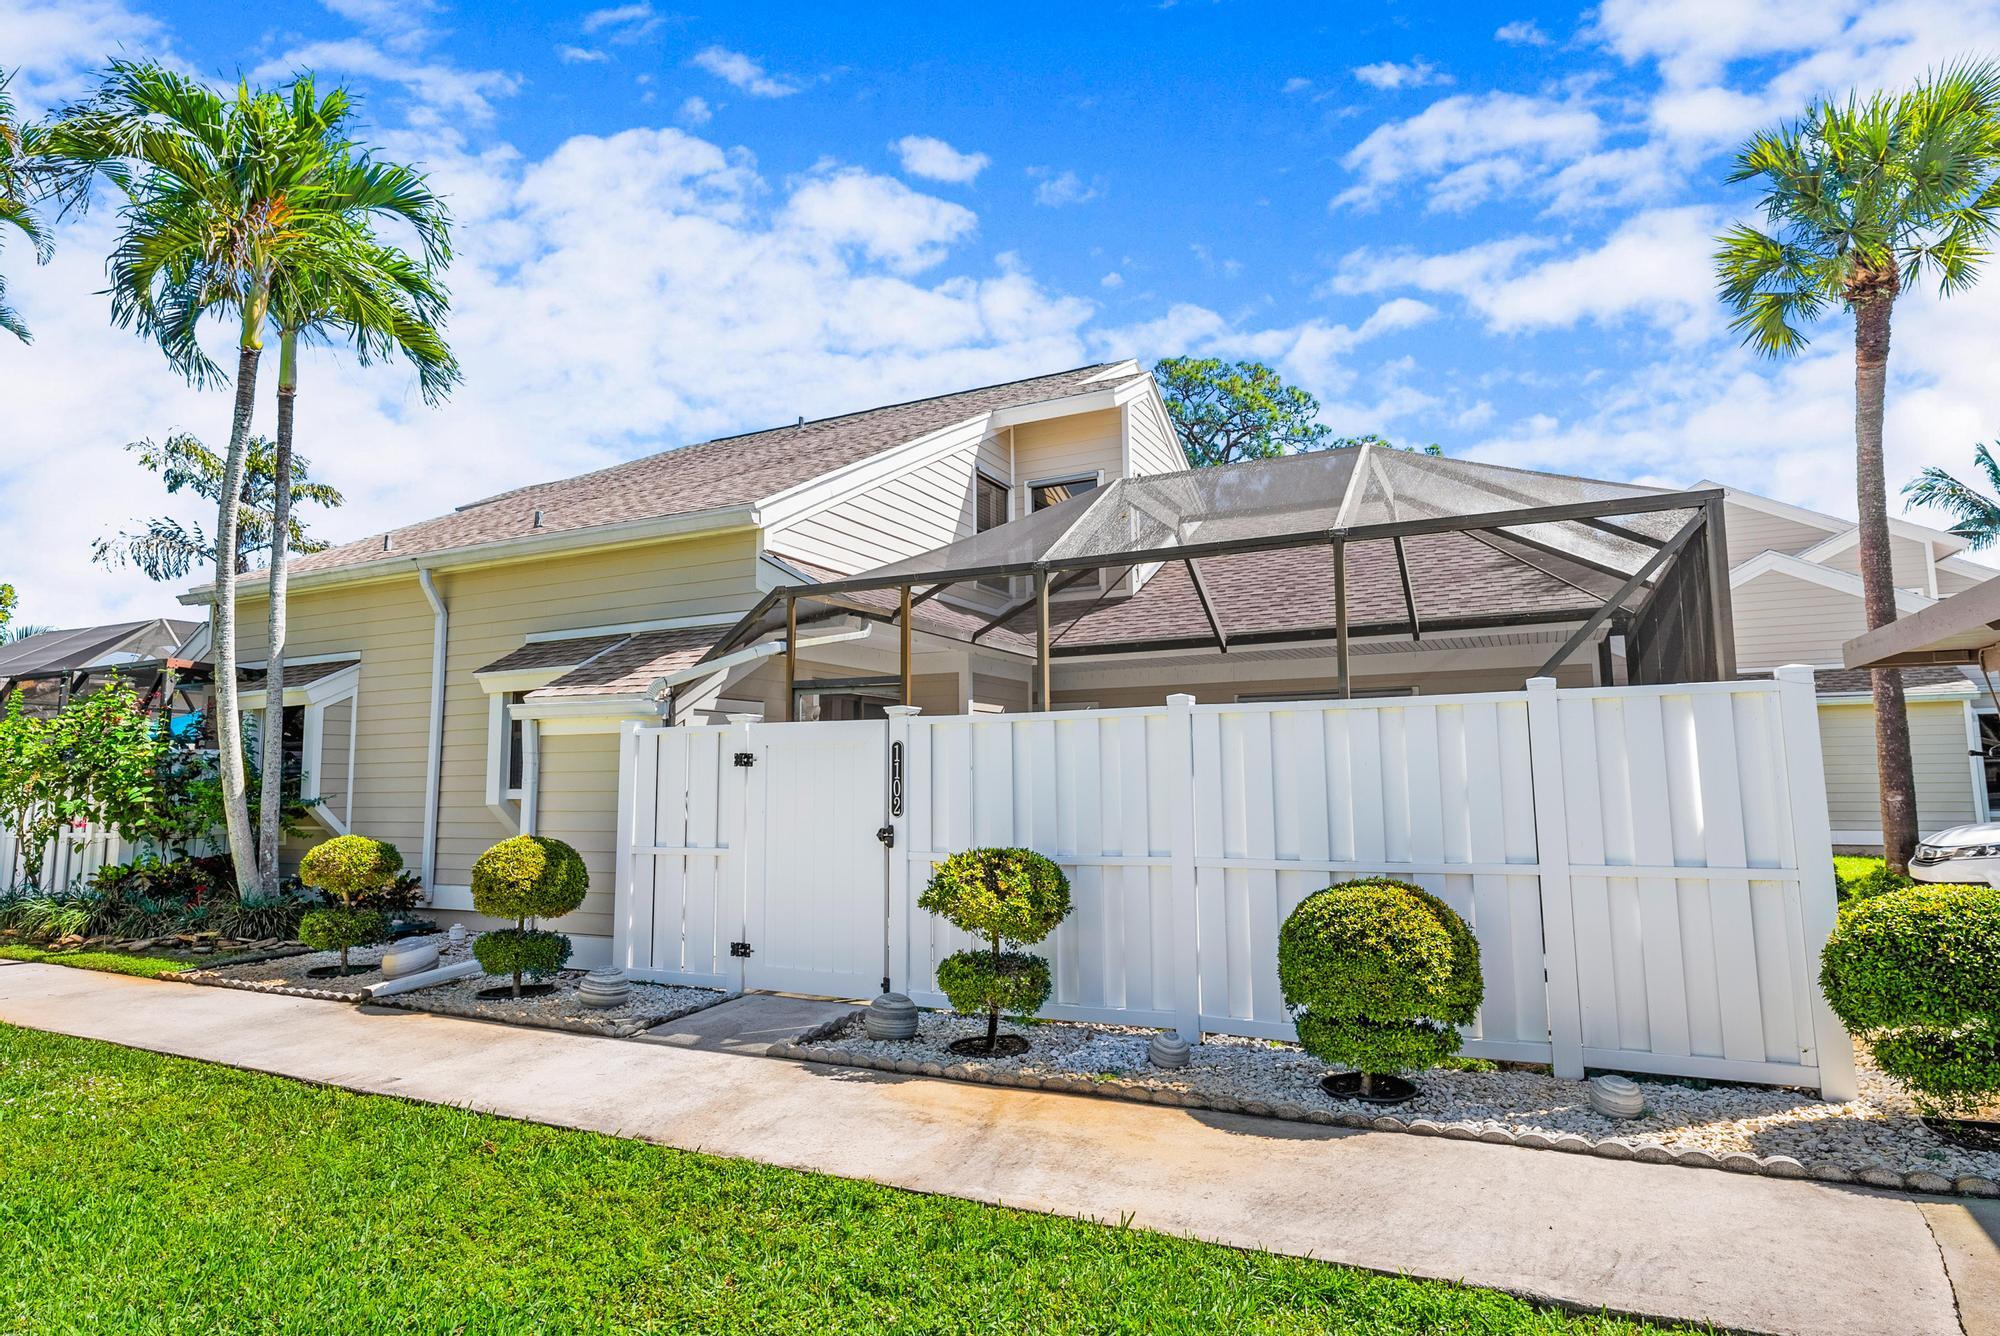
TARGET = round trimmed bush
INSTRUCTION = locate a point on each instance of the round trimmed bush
(341, 928)
(348, 866)
(1002, 895)
(1379, 974)
(521, 951)
(527, 877)
(1916, 973)
(1014, 982)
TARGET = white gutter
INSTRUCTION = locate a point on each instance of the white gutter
(434, 751)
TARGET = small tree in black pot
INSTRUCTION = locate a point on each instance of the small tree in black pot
(347, 869)
(527, 877)
(1378, 974)
(1002, 895)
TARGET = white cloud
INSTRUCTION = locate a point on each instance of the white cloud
(1056, 189)
(741, 72)
(1653, 268)
(581, 55)
(1112, 281)
(437, 84)
(936, 160)
(624, 24)
(885, 219)
(695, 111)
(1296, 84)
(55, 46)
(1522, 32)
(402, 24)
(1470, 147)
(1388, 75)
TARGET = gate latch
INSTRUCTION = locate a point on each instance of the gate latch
(746, 760)
(888, 837)
(740, 950)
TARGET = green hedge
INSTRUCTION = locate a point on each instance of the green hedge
(339, 928)
(1009, 895)
(1378, 974)
(521, 952)
(529, 876)
(1916, 973)
(1012, 983)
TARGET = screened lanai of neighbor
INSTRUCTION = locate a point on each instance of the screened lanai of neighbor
(1332, 563)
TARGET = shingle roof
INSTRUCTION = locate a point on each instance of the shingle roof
(1857, 681)
(296, 674)
(632, 662)
(566, 653)
(1456, 578)
(731, 470)
(933, 615)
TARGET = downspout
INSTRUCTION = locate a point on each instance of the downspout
(434, 747)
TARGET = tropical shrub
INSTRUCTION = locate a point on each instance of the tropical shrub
(341, 928)
(527, 877)
(1378, 975)
(348, 867)
(1002, 895)
(1916, 973)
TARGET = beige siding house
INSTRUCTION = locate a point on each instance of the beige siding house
(464, 679)
(1797, 593)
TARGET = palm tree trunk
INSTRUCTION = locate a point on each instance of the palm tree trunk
(271, 797)
(228, 723)
(1878, 582)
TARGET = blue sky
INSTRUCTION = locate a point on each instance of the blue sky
(1485, 226)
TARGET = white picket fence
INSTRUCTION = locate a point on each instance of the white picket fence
(71, 859)
(1646, 868)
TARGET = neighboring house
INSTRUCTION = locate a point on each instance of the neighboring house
(1797, 593)
(52, 667)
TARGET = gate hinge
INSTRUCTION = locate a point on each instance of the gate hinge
(739, 950)
(888, 837)
(746, 759)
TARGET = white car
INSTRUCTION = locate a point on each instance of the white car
(1967, 854)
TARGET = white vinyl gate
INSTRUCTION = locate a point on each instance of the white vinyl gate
(1647, 869)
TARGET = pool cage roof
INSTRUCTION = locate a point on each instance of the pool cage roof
(1409, 542)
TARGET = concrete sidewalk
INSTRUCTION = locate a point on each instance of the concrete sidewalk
(1743, 1252)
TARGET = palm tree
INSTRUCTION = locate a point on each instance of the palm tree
(1863, 199)
(219, 192)
(1977, 514)
(166, 549)
(15, 192)
(359, 290)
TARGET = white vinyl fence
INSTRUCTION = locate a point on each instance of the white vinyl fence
(1647, 869)
(71, 859)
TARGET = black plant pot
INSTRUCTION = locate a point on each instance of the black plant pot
(338, 972)
(505, 992)
(1969, 1133)
(1382, 1089)
(1004, 1046)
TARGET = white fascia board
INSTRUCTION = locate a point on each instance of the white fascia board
(1847, 538)
(563, 710)
(700, 523)
(328, 689)
(1845, 582)
(1048, 409)
(519, 679)
(1118, 371)
(1833, 524)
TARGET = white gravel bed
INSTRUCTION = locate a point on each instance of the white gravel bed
(1876, 1138)
(288, 975)
(650, 1004)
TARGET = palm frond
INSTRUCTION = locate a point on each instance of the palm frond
(1976, 516)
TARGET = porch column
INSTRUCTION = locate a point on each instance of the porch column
(1340, 615)
(1042, 638)
(791, 657)
(909, 680)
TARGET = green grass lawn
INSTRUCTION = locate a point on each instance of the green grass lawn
(147, 1193)
(114, 962)
(1846, 867)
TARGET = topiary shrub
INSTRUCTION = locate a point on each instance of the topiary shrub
(1002, 895)
(350, 867)
(1378, 975)
(1916, 973)
(341, 928)
(527, 877)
